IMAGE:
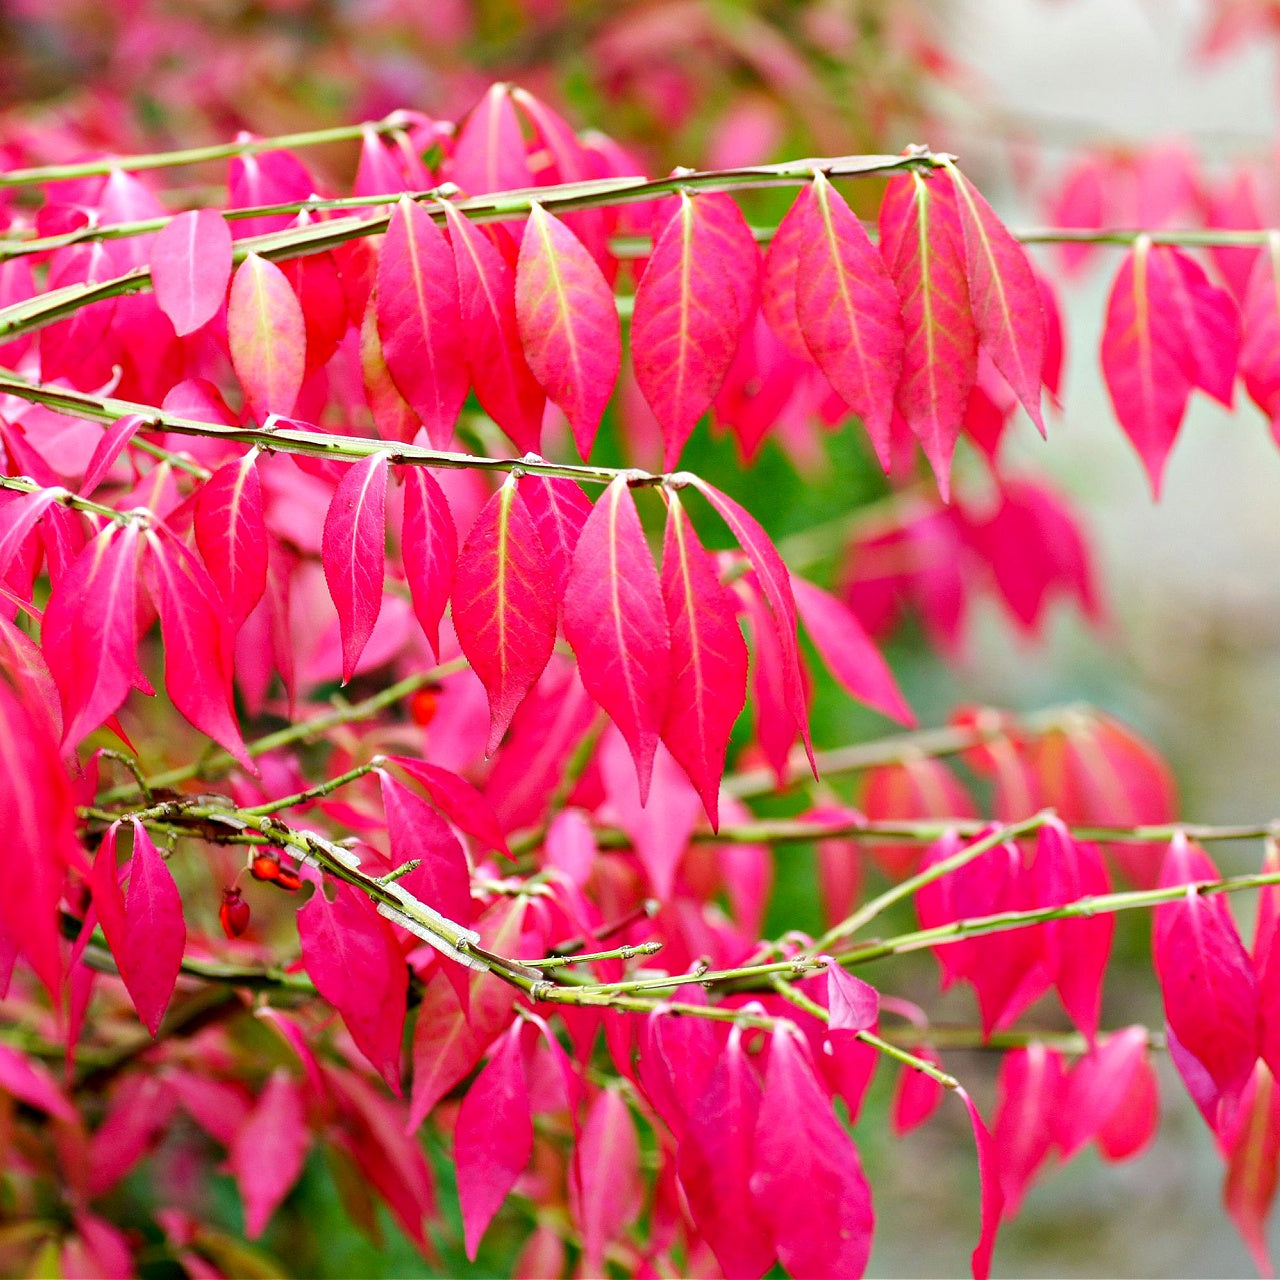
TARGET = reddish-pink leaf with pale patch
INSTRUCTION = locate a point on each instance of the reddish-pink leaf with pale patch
(853, 1005)
(1146, 356)
(493, 1139)
(559, 509)
(350, 953)
(231, 533)
(923, 246)
(504, 605)
(113, 443)
(489, 154)
(708, 658)
(155, 933)
(354, 552)
(419, 321)
(190, 268)
(849, 312)
(268, 337)
(568, 323)
(807, 1180)
(269, 1150)
(694, 302)
(505, 386)
(615, 622)
(1211, 320)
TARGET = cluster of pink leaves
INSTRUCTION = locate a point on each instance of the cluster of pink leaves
(1170, 328)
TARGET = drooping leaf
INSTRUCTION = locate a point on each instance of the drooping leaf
(708, 658)
(1004, 295)
(992, 1196)
(198, 640)
(848, 651)
(191, 267)
(853, 1005)
(155, 933)
(807, 1179)
(269, 1150)
(268, 337)
(609, 1175)
(419, 321)
(1211, 320)
(354, 553)
(775, 582)
(1146, 356)
(917, 1095)
(1028, 1097)
(504, 607)
(493, 1139)
(505, 386)
(1260, 325)
(1252, 1149)
(350, 953)
(694, 302)
(90, 632)
(30, 1082)
(923, 246)
(778, 274)
(428, 549)
(849, 312)
(568, 323)
(489, 154)
(559, 509)
(445, 1048)
(616, 625)
(113, 443)
(231, 533)
(458, 800)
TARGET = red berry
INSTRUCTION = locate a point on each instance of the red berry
(423, 706)
(234, 913)
(289, 880)
(265, 866)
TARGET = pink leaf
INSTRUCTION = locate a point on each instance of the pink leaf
(231, 533)
(493, 1139)
(849, 312)
(1004, 295)
(1105, 1091)
(505, 386)
(155, 933)
(708, 658)
(90, 632)
(269, 1150)
(559, 509)
(992, 1196)
(113, 443)
(1028, 1098)
(568, 323)
(1211, 320)
(1260, 323)
(460, 802)
(445, 1048)
(807, 1180)
(419, 320)
(428, 549)
(489, 154)
(1252, 1149)
(1146, 356)
(717, 1160)
(354, 553)
(848, 651)
(30, 1082)
(778, 275)
(615, 623)
(1210, 994)
(197, 641)
(504, 607)
(775, 582)
(853, 1005)
(609, 1174)
(350, 953)
(694, 302)
(917, 1094)
(268, 337)
(190, 268)
(923, 247)
(443, 881)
